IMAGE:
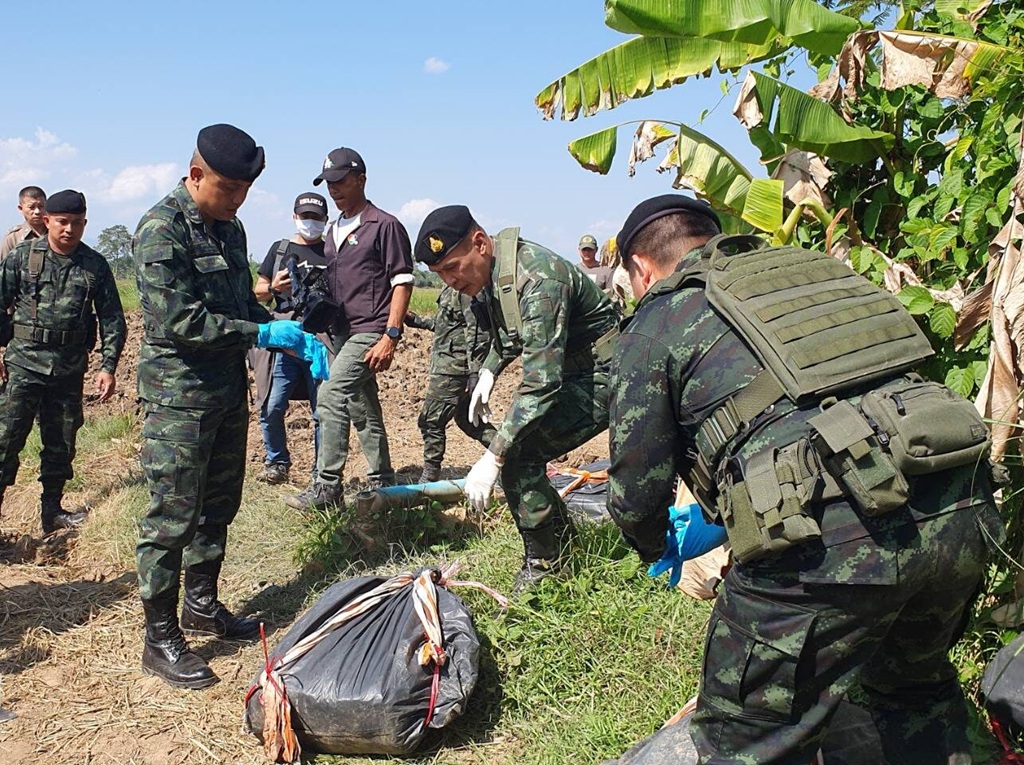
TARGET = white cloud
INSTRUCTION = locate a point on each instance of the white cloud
(414, 211)
(434, 65)
(140, 181)
(26, 161)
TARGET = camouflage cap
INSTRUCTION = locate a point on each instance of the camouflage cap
(588, 242)
(441, 231)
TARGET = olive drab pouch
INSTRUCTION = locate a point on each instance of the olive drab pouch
(853, 454)
(926, 427)
(770, 509)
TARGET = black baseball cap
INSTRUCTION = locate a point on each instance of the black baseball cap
(651, 209)
(441, 231)
(231, 152)
(340, 163)
(310, 202)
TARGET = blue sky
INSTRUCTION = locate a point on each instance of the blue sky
(107, 97)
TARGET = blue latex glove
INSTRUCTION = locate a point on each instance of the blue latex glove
(689, 536)
(315, 354)
(280, 334)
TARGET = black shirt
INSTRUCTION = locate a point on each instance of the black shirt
(307, 257)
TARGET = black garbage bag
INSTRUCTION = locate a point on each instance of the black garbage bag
(362, 688)
(1002, 685)
(589, 501)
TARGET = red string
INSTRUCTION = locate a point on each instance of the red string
(266, 664)
(1009, 756)
(435, 686)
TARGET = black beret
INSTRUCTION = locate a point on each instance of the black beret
(651, 209)
(231, 152)
(444, 228)
(67, 201)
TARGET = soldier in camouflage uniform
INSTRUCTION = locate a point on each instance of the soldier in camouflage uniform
(876, 600)
(562, 399)
(200, 317)
(460, 346)
(56, 289)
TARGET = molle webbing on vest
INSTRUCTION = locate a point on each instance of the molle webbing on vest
(818, 326)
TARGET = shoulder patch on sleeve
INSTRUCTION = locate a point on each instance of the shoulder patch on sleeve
(157, 253)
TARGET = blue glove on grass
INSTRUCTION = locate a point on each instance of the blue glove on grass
(689, 536)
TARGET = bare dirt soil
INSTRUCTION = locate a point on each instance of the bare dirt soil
(71, 625)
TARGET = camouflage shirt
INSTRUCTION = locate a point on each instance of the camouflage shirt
(674, 364)
(563, 314)
(72, 294)
(199, 312)
(460, 343)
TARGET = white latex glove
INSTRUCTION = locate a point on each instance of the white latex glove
(479, 409)
(481, 479)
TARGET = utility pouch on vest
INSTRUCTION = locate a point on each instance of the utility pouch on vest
(928, 427)
(769, 511)
(852, 453)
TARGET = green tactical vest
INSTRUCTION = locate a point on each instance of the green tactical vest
(821, 331)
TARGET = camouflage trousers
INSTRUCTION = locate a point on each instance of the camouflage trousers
(350, 399)
(447, 398)
(194, 461)
(782, 652)
(57, 403)
(578, 413)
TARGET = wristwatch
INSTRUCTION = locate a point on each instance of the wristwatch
(395, 333)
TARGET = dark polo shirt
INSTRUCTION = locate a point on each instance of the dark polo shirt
(360, 270)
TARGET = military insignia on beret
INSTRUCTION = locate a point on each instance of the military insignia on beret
(436, 245)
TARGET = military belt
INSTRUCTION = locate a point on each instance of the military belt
(50, 336)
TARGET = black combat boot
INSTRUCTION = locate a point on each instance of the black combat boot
(431, 472)
(55, 517)
(203, 613)
(166, 654)
(546, 549)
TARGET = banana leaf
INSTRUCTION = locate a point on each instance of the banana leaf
(758, 22)
(801, 121)
(639, 67)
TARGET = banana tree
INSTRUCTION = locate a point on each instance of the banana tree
(690, 38)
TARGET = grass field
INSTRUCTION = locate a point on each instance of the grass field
(575, 673)
(424, 300)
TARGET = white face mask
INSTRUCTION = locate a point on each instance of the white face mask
(310, 229)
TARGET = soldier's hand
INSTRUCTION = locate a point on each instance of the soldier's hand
(380, 356)
(105, 385)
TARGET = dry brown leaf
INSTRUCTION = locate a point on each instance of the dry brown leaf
(647, 136)
(803, 175)
(999, 397)
(852, 60)
(747, 110)
(974, 312)
(909, 58)
(828, 89)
